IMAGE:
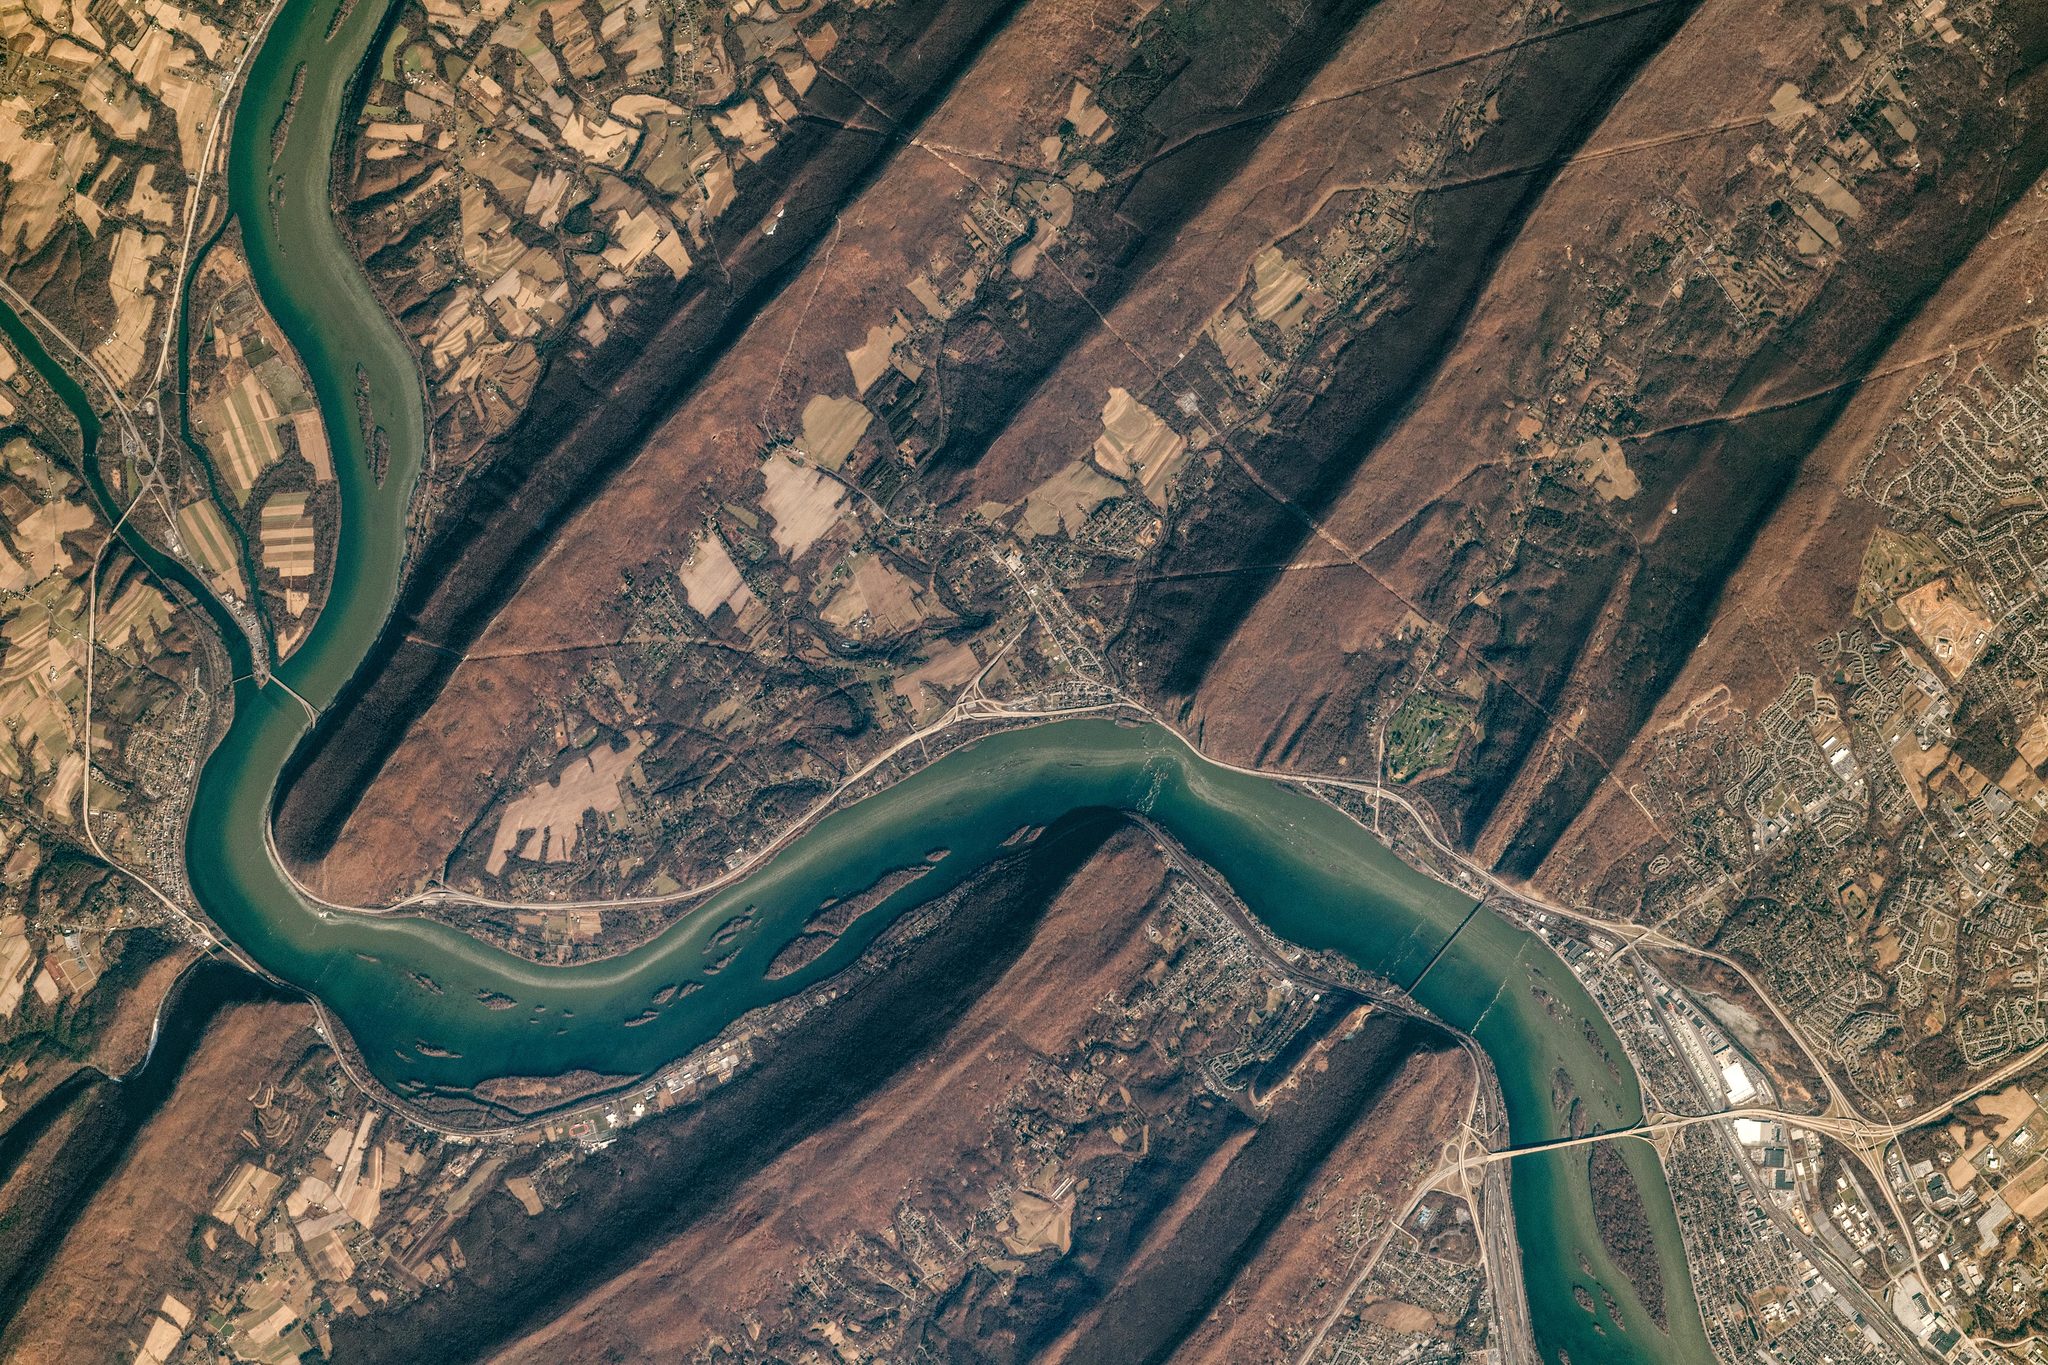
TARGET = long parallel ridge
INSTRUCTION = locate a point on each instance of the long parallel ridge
(317, 811)
(501, 522)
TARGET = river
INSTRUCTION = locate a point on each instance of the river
(430, 1007)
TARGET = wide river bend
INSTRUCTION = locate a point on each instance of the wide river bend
(430, 1007)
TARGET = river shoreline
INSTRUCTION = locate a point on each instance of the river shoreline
(421, 1005)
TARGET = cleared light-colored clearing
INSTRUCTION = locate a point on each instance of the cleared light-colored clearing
(1788, 106)
(521, 1188)
(1241, 351)
(544, 196)
(2011, 1106)
(357, 1191)
(531, 296)
(1824, 229)
(711, 580)
(601, 139)
(395, 132)
(241, 424)
(1606, 467)
(832, 428)
(2033, 742)
(2026, 1194)
(636, 108)
(1279, 289)
(931, 684)
(1952, 631)
(149, 61)
(186, 22)
(454, 333)
(1137, 444)
(116, 102)
(543, 824)
(193, 100)
(487, 241)
(149, 203)
(62, 798)
(802, 502)
(141, 611)
(17, 960)
(162, 1339)
(88, 211)
(206, 536)
(39, 537)
(246, 1199)
(746, 124)
(40, 177)
(870, 360)
(1040, 1224)
(885, 597)
(1917, 765)
(1090, 119)
(1398, 1315)
(134, 307)
(287, 536)
(313, 444)
(1065, 501)
(1833, 196)
(636, 236)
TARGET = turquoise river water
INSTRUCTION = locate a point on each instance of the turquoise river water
(429, 1006)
